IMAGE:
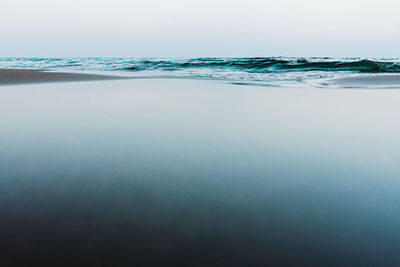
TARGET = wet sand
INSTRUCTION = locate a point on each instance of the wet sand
(391, 81)
(28, 76)
(169, 172)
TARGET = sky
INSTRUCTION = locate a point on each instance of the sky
(177, 28)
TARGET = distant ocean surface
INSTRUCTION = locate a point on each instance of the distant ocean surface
(258, 69)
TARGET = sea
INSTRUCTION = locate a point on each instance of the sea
(264, 71)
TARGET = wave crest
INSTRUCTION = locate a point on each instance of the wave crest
(267, 65)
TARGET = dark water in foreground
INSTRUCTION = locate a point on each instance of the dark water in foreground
(197, 173)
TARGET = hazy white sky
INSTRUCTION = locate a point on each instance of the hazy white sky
(191, 28)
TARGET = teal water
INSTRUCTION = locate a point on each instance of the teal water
(168, 172)
(260, 69)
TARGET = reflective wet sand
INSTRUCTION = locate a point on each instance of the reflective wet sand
(198, 173)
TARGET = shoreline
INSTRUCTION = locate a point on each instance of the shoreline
(40, 76)
(386, 81)
(34, 76)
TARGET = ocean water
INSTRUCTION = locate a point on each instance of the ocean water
(198, 172)
(261, 70)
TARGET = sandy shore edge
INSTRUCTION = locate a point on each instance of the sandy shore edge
(31, 76)
(377, 81)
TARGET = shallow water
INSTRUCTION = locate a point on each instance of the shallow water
(198, 173)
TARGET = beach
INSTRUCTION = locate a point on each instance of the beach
(108, 171)
(32, 76)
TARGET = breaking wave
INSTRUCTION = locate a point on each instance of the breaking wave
(266, 65)
(263, 69)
